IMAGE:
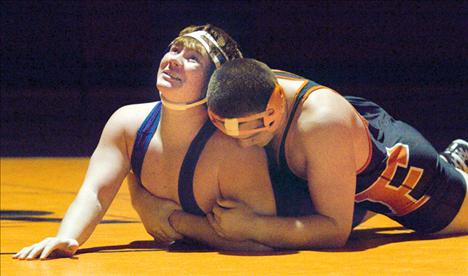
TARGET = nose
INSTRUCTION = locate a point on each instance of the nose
(174, 60)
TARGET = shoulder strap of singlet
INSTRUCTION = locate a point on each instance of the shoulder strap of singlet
(291, 195)
(278, 183)
(187, 170)
(144, 135)
(282, 156)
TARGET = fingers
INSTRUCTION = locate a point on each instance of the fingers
(167, 233)
(158, 236)
(171, 233)
(217, 212)
(161, 237)
(226, 203)
(43, 249)
(214, 224)
(172, 205)
(47, 250)
(67, 248)
(35, 252)
(32, 251)
(21, 255)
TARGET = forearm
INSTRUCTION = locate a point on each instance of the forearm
(198, 228)
(302, 232)
(82, 217)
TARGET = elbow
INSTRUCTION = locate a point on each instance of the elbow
(137, 205)
(338, 239)
(338, 235)
(332, 239)
(326, 241)
(338, 242)
(134, 202)
(330, 242)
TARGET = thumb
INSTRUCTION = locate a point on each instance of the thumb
(69, 247)
(227, 203)
(73, 245)
(171, 204)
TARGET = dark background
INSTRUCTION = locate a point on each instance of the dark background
(66, 66)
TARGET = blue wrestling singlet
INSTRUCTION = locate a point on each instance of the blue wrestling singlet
(185, 185)
(404, 178)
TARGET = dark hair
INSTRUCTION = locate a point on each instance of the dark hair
(224, 40)
(240, 87)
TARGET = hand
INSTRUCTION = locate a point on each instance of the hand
(156, 220)
(232, 220)
(60, 247)
(154, 212)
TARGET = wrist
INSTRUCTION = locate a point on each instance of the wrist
(174, 218)
(255, 226)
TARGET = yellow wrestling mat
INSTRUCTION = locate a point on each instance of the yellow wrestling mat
(35, 193)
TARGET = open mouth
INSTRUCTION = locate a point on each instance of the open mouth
(172, 76)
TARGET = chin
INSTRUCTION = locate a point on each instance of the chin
(162, 85)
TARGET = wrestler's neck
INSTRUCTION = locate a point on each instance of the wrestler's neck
(278, 135)
(179, 123)
(289, 88)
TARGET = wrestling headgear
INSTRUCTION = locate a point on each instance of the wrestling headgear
(217, 55)
(271, 117)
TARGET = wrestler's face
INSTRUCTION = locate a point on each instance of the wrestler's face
(260, 139)
(182, 73)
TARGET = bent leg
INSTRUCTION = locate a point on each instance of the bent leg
(460, 223)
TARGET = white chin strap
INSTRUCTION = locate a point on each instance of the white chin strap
(181, 106)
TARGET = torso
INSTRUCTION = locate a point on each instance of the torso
(163, 161)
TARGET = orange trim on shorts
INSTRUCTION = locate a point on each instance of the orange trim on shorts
(369, 143)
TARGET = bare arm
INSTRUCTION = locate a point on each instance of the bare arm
(198, 228)
(154, 212)
(167, 223)
(107, 168)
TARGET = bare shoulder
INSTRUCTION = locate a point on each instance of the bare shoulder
(130, 117)
(324, 108)
(124, 123)
(133, 111)
(326, 131)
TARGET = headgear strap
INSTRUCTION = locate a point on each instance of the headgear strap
(271, 116)
(181, 106)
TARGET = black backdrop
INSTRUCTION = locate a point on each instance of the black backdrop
(67, 65)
